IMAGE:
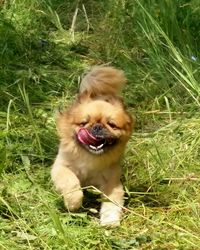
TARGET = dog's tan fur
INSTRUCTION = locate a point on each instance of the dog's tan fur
(74, 166)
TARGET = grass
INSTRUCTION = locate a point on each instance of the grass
(44, 48)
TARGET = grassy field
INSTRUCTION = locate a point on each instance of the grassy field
(45, 46)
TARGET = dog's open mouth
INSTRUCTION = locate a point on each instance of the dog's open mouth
(95, 144)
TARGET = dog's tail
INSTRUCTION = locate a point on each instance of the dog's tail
(103, 80)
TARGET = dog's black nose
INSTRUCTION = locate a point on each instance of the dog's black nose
(97, 129)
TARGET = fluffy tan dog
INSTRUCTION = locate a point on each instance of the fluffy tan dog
(93, 135)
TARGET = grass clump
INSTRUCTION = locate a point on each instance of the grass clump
(44, 48)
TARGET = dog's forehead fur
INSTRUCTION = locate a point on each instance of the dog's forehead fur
(100, 111)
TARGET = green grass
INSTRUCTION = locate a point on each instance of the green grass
(45, 46)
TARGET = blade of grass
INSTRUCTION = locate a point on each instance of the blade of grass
(28, 106)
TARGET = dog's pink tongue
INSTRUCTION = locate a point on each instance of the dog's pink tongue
(86, 138)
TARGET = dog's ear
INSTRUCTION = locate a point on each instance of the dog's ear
(84, 96)
(59, 111)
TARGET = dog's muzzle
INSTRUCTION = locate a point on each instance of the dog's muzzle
(95, 140)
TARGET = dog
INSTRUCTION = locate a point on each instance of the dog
(93, 133)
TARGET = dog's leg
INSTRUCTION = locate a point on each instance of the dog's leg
(111, 210)
(67, 183)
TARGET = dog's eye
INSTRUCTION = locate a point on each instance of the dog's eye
(82, 124)
(112, 125)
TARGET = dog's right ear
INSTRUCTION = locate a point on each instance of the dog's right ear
(84, 96)
(59, 111)
(59, 114)
(62, 117)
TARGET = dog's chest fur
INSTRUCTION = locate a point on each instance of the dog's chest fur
(90, 169)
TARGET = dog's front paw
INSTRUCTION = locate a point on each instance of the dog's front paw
(73, 200)
(110, 219)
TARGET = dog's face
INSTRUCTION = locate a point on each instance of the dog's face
(97, 125)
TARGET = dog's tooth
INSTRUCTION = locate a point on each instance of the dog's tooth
(92, 147)
(96, 148)
(100, 146)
